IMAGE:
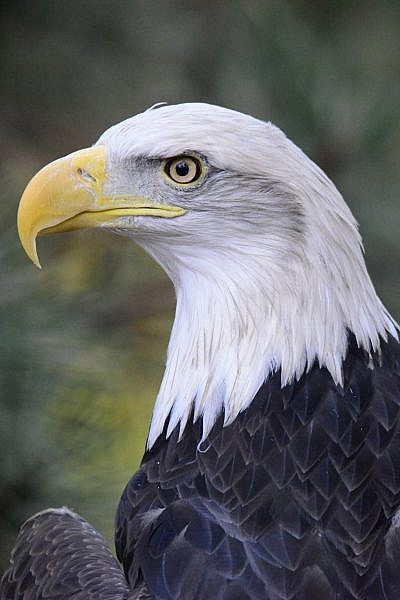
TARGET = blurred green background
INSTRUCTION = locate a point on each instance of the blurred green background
(82, 343)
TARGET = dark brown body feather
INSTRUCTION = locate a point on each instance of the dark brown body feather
(294, 500)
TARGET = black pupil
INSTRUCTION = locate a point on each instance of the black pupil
(182, 168)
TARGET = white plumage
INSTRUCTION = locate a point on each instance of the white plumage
(267, 263)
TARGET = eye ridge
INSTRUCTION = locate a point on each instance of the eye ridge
(183, 169)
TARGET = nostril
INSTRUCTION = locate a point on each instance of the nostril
(85, 175)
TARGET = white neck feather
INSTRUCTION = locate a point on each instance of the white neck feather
(240, 316)
(267, 263)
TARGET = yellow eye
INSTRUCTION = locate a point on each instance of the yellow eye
(184, 169)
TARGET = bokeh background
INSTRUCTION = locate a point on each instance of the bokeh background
(82, 343)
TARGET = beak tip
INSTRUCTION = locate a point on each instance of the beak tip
(31, 251)
(34, 258)
(27, 237)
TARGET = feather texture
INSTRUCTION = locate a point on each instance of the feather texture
(59, 556)
(294, 499)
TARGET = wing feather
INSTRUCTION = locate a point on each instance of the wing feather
(60, 555)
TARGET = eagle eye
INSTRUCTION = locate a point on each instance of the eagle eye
(183, 169)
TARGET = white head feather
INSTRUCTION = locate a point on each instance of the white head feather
(267, 263)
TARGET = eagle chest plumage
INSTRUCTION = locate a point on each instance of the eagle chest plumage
(292, 500)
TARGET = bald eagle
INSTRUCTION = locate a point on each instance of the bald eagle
(272, 467)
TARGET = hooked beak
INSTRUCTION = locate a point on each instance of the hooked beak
(67, 194)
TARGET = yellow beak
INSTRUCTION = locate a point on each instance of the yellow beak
(67, 194)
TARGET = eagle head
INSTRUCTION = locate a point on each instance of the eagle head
(264, 253)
